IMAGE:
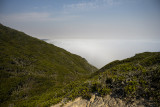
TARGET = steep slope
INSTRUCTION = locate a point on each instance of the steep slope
(32, 71)
(135, 79)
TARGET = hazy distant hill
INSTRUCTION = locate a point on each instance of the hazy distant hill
(32, 70)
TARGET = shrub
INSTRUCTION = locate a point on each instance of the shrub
(130, 88)
(104, 91)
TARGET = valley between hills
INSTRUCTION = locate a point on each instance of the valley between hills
(34, 73)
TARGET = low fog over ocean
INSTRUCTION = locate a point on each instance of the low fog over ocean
(99, 52)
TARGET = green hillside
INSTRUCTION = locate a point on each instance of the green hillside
(35, 73)
(135, 77)
(130, 79)
(32, 71)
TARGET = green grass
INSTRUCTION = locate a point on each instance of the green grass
(32, 71)
(132, 78)
(128, 79)
(35, 73)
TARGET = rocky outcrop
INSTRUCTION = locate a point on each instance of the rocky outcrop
(97, 101)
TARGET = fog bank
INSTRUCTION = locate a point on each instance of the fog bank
(99, 52)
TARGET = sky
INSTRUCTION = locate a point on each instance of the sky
(110, 19)
(121, 23)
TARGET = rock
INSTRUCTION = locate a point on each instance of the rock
(120, 103)
(112, 102)
(97, 101)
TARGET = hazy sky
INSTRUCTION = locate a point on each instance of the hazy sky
(110, 19)
(98, 30)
